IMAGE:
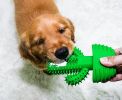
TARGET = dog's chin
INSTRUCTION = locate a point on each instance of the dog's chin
(58, 61)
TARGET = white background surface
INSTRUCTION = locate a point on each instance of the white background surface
(96, 21)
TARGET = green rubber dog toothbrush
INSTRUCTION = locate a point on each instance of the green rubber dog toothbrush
(78, 66)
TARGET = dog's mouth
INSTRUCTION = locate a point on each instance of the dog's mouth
(57, 62)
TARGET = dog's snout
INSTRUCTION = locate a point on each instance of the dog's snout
(62, 53)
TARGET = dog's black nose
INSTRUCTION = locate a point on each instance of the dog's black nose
(62, 53)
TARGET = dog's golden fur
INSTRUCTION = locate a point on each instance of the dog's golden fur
(38, 23)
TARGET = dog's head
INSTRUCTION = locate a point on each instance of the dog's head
(49, 36)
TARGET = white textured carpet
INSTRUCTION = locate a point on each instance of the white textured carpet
(96, 21)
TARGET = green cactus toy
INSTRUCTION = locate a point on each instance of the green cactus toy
(78, 66)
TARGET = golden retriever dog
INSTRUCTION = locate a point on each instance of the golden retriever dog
(44, 33)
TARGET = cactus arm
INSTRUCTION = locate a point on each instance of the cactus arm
(77, 52)
(77, 78)
(56, 70)
(75, 56)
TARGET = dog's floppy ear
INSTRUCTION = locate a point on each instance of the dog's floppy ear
(24, 45)
(72, 29)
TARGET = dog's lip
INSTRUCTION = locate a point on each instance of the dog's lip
(65, 59)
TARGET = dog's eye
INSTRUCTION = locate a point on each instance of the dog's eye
(62, 30)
